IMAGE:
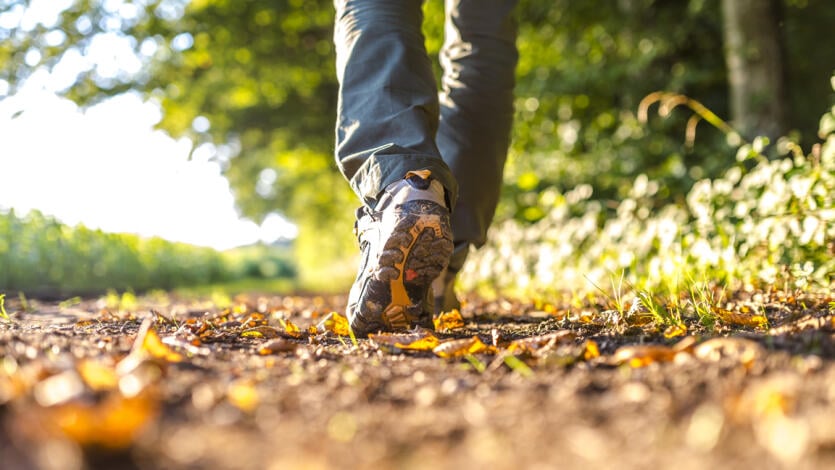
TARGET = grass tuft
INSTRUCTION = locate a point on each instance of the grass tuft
(3, 307)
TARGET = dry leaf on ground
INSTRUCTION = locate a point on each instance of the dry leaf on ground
(261, 332)
(113, 423)
(537, 344)
(277, 345)
(743, 350)
(149, 342)
(643, 354)
(243, 395)
(462, 347)
(674, 331)
(291, 329)
(97, 375)
(751, 320)
(335, 323)
(420, 340)
(448, 321)
(147, 345)
(186, 345)
(590, 350)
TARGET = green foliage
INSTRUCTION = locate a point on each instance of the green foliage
(254, 82)
(260, 261)
(582, 72)
(761, 222)
(584, 69)
(42, 256)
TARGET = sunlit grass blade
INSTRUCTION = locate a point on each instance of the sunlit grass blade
(3, 313)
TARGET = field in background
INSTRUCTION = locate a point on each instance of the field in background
(42, 257)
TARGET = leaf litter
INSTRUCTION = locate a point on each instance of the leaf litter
(132, 382)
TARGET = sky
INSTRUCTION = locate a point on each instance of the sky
(106, 166)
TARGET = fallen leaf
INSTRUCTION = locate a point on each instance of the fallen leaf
(149, 342)
(462, 347)
(243, 395)
(185, 344)
(685, 344)
(277, 345)
(591, 318)
(147, 345)
(421, 340)
(676, 330)
(255, 319)
(643, 354)
(335, 323)
(162, 319)
(448, 321)
(590, 350)
(745, 351)
(99, 377)
(640, 319)
(741, 319)
(535, 344)
(113, 423)
(261, 332)
(291, 329)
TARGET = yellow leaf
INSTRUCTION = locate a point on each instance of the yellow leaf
(423, 340)
(462, 347)
(590, 350)
(147, 345)
(98, 376)
(643, 355)
(261, 332)
(256, 319)
(640, 319)
(674, 331)
(741, 319)
(291, 329)
(243, 395)
(335, 323)
(150, 343)
(447, 321)
(113, 423)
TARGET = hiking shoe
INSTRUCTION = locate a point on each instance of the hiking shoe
(443, 289)
(406, 241)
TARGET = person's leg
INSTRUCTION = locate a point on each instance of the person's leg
(387, 114)
(479, 59)
(385, 145)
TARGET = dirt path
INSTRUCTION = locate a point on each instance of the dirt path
(188, 385)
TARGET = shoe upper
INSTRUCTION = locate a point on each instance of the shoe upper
(406, 242)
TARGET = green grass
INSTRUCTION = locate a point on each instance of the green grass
(3, 307)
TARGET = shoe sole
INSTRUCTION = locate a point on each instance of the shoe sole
(415, 253)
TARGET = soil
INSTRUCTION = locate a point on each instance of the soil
(178, 384)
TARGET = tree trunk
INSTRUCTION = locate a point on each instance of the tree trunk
(754, 56)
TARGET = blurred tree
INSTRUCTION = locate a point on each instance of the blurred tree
(756, 73)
